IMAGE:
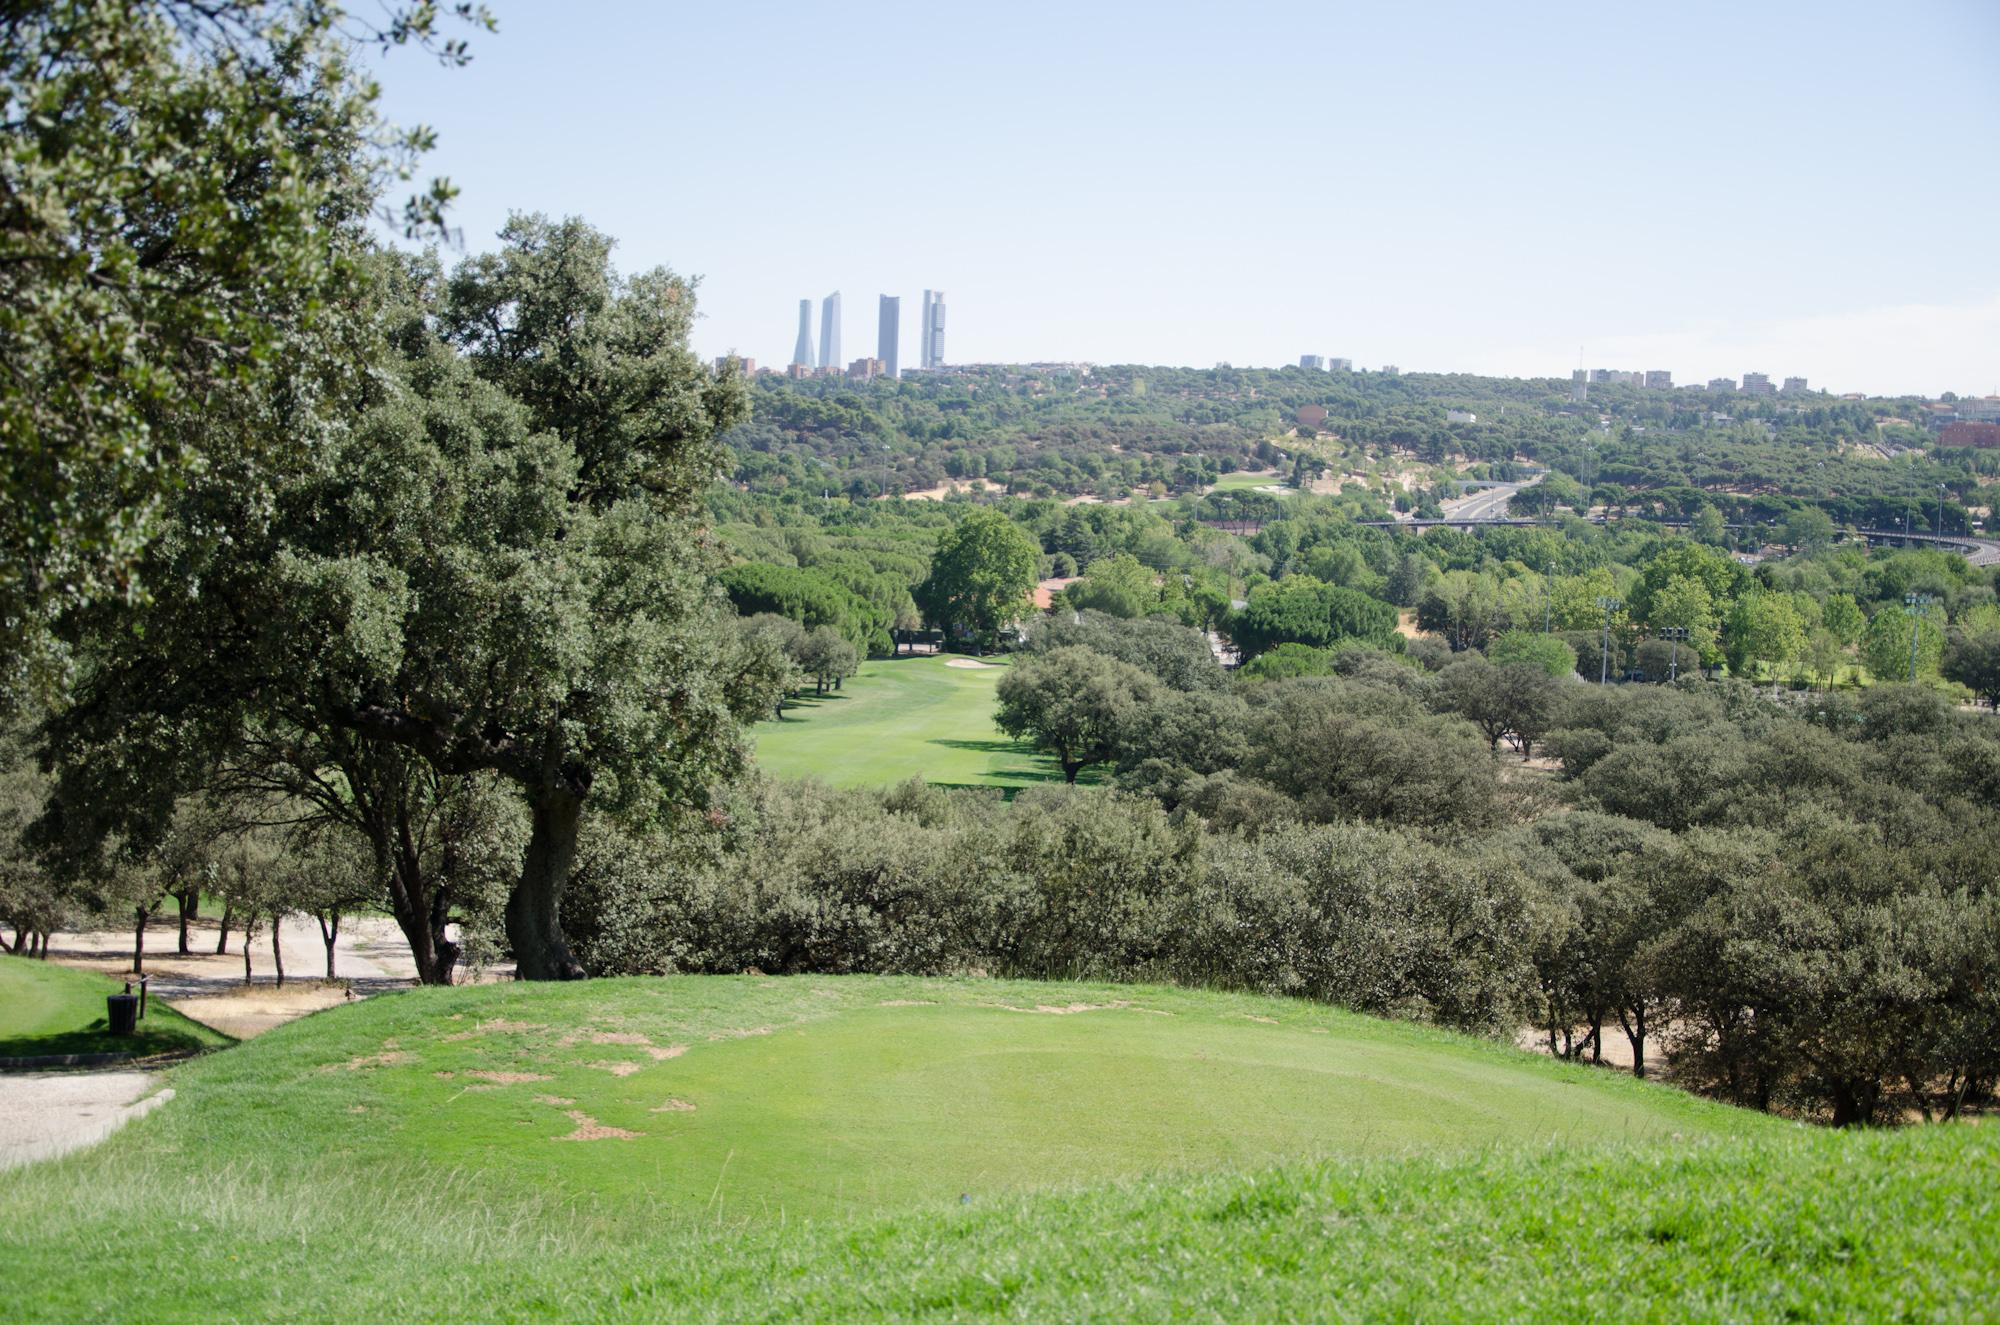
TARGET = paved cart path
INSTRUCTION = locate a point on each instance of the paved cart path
(44, 1114)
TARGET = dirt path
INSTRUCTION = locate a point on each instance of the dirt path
(44, 1114)
(369, 958)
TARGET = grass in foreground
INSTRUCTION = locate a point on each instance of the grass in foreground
(902, 718)
(746, 1097)
(49, 1009)
(262, 1193)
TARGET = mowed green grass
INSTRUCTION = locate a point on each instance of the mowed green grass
(901, 718)
(47, 1009)
(1239, 481)
(755, 1098)
(904, 1149)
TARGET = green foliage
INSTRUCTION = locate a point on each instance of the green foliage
(1524, 648)
(188, 187)
(1070, 702)
(980, 577)
(1288, 660)
(1894, 639)
(1973, 661)
(493, 568)
(1302, 610)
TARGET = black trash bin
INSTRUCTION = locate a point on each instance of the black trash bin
(123, 1011)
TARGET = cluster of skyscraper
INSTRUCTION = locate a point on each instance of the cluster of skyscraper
(888, 338)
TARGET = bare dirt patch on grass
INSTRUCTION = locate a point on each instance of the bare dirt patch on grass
(509, 1078)
(624, 1069)
(674, 1106)
(589, 1129)
(1067, 1009)
(906, 1003)
(387, 1059)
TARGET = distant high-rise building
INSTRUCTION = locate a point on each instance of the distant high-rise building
(1340, 365)
(829, 332)
(930, 332)
(1794, 386)
(1721, 384)
(733, 363)
(1316, 362)
(1757, 384)
(802, 352)
(889, 334)
(1659, 379)
(1390, 370)
(1579, 386)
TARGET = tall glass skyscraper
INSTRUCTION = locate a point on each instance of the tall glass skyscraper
(829, 331)
(802, 353)
(889, 335)
(930, 345)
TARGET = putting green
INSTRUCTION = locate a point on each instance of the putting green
(901, 718)
(743, 1097)
(901, 1106)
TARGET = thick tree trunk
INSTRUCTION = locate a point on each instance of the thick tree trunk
(139, 941)
(534, 908)
(190, 909)
(277, 951)
(222, 939)
(1070, 772)
(329, 933)
(421, 910)
(249, 932)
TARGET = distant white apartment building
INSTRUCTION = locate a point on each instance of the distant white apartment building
(1460, 416)
(1315, 362)
(1794, 386)
(1659, 379)
(1340, 365)
(1758, 384)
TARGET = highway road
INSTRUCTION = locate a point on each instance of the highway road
(1488, 503)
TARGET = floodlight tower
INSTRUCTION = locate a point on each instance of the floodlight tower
(1609, 605)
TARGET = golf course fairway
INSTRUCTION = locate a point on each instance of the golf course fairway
(899, 718)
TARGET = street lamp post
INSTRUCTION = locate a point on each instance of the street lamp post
(1915, 605)
(1609, 605)
(1674, 634)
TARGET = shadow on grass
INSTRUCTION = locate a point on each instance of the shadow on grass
(96, 1038)
(1001, 746)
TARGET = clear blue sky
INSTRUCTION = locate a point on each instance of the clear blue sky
(1787, 187)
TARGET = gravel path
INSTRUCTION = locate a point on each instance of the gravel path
(43, 1114)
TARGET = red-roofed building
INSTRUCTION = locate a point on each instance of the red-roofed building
(1046, 591)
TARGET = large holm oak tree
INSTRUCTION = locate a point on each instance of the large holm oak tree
(179, 180)
(493, 563)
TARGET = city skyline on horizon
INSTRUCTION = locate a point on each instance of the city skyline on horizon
(1655, 193)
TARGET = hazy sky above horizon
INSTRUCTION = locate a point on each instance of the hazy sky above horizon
(1793, 188)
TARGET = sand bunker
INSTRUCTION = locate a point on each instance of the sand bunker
(1067, 1009)
(968, 662)
(905, 1003)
